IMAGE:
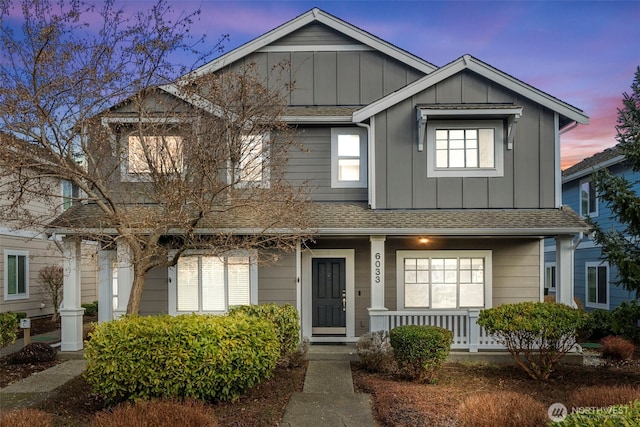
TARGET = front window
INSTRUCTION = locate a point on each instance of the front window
(549, 277)
(16, 274)
(443, 279)
(348, 158)
(158, 154)
(471, 148)
(597, 285)
(209, 284)
(588, 199)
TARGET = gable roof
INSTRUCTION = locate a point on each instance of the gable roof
(468, 62)
(609, 157)
(322, 17)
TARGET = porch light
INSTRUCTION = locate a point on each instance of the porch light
(423, 240)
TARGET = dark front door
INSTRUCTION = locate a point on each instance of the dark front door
(329, 296)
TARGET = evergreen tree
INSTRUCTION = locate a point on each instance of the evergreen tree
(622, 247)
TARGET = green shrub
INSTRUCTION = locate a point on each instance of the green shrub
(154, 413)
(501, 408)
(206, 357)
(601, 320)
(624, 320)
(90, 309)
(8, 328)
(375, 351)
(611, 416)
(420, 351)
(536, 334)
(284, 318)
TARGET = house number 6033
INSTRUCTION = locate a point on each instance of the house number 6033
(377, 276)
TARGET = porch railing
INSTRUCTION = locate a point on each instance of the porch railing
(467, 334)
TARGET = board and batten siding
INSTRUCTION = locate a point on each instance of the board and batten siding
(401, 170)
(355, 76)
(311, 167)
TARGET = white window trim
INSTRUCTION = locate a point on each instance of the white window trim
(253, 280)
(125, 175)
(496, 171)
(488, 271)
(595, 211)
(595, 264)
(549, 265)
(265, 181)
(25, 295)
(362, 182)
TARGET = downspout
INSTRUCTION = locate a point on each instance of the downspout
(370, 164)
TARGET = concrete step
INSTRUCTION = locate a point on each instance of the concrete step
(328, 377)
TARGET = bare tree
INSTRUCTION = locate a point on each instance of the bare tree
(163, 164)
(51, 281)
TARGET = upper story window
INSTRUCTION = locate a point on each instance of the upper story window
(348, 157)
(588, 199)
(252, 163)
(70, 193)
(473, 148)
(160, 154)
(16, 274)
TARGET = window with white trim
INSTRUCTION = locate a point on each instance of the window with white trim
(210, 284)
(472, 148)
(597, 285)
(588, 199)
(550, 277)
(16, 274)
(251, 163)
(160, 154)
(70, 193)
(444, 279)
(348, 157)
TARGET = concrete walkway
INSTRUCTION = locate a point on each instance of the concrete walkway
(328, 397)
(37, 387)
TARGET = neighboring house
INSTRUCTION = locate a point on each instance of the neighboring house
(594, 279)
(433, 191)
(24, 251)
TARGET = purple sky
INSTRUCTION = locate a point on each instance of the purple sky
(582, 52)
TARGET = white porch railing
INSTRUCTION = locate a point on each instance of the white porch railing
(467, 334)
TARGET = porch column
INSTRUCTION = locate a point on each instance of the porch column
(125, 278)
(377, 320)
(71, 311)
(105, 285)
(564, 270)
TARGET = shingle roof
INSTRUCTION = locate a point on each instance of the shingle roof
(594, 161)
(333, 218)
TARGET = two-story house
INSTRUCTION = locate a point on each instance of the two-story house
(595, 281)
(433, 189)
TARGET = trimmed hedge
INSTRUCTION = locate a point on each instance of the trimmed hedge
(8, 328)
(210, 358)
(285, 320)
(420, 351)
(536, 334)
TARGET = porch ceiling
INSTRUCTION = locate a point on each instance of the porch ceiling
(332, 218)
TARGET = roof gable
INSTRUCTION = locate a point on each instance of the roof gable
(312, 17)
(467, 62)
(609, 157)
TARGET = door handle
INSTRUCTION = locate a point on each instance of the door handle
(344, 300)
